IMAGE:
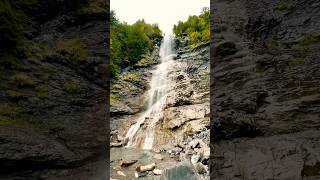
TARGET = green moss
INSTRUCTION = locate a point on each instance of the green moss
(284, 5)
(10, 114)
(38, 51)
(144, 62)
(311, 38)
(131, 77)
(94, 7)
(297, 61)
(114, 98)
(22, 80)
(72, 49)
(272, 44)
(41, 91)
(9, 61)
(71, 87)
(15, 95)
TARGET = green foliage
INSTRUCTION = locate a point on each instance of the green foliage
(71, 87)
(128, 43)
(72, 49)
(22, 80)
(196, 27)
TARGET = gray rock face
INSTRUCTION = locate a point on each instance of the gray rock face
(63, 130)
(263, 103)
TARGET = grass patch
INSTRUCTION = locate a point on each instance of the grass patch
(144, 62)
(285, 5)
(72, 49)
(15, 95)
(93, 7)
(311, 38)
(10, 114)
(37, 52)
(9, 61)
(41, 91)
(114, 98)
(22, 80)
(71, 87)
(131, 77)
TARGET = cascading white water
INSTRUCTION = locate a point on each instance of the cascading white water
(157, 97)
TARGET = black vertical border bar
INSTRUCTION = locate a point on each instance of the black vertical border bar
(108, 92)
(211, 81)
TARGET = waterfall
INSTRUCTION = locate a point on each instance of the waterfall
(157, 97)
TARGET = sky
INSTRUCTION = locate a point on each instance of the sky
(165, 13)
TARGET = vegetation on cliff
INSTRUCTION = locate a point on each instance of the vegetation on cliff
(128, 43)
(196, 27)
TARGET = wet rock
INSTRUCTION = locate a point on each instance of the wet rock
(225, 48)
(140, 174)
(120, 109)
(115, 144)
(157, 171)
(121, 173)
(158, 156)
(195, 159)
(183, 170)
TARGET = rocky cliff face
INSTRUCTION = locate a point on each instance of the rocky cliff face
(183, 132)
(265, 89)
(53, 119)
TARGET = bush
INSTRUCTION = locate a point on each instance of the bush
(71, 87)
(196, 27)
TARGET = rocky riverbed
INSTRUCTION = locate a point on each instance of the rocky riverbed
(182, 136)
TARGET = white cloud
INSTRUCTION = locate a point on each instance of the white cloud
(166, 13)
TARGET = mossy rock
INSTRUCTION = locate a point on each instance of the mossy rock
(72, 49)
(285, 5)
(93, 7)
(144, 62)
(41, 91)
(71, 87)
(311, 38)
(22, 80)
(16, 95)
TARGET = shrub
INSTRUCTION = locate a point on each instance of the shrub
(196, 27)
(22, 80)
(71, 87)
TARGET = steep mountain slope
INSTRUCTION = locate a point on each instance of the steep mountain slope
(265, 98)
(53, 115)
